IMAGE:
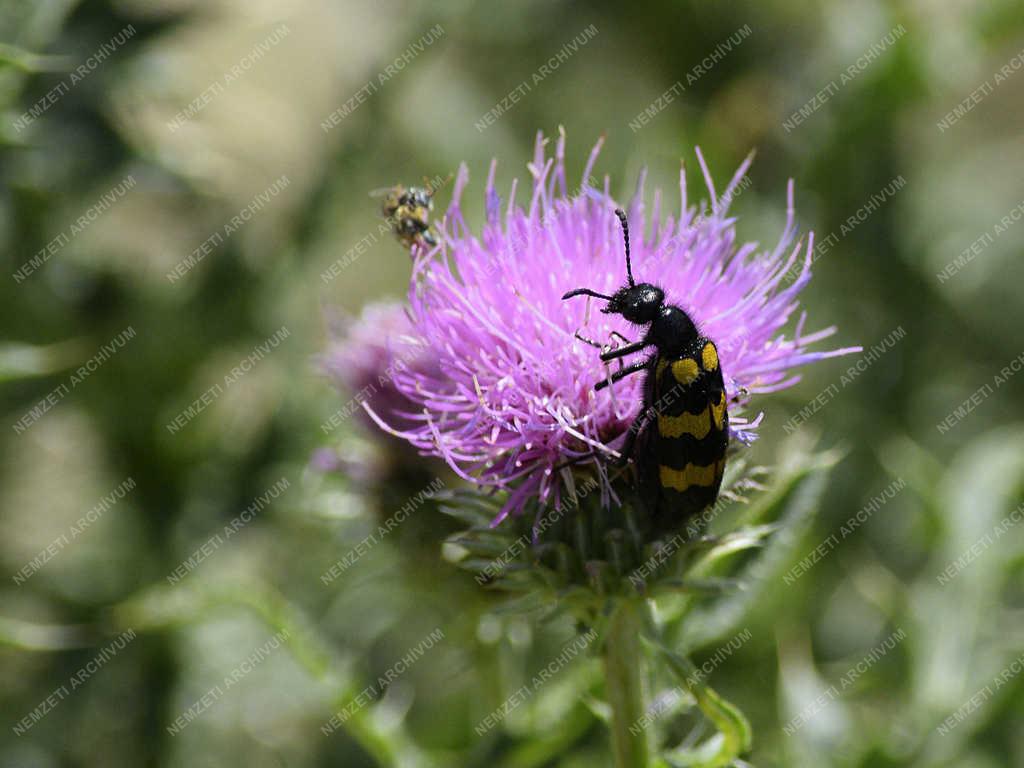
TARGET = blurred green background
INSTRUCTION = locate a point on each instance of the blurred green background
(875, 145)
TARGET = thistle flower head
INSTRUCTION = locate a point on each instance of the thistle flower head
(512, 397)
(364, 354)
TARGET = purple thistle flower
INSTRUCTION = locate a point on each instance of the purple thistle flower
(512, 394)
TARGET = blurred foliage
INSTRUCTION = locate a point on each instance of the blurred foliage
(192, 176)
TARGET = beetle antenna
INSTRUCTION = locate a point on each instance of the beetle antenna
(625, 236)
(586, 292)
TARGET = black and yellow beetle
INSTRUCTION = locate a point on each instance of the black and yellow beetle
(680, 437)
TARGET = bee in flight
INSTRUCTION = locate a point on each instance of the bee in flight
(680, 437)
(407, 209)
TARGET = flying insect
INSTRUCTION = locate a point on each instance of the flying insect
(407, 209)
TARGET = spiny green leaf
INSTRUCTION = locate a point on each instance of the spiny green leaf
(734, 735)
(792, 504)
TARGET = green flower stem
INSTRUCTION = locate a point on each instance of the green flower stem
(622, 656)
